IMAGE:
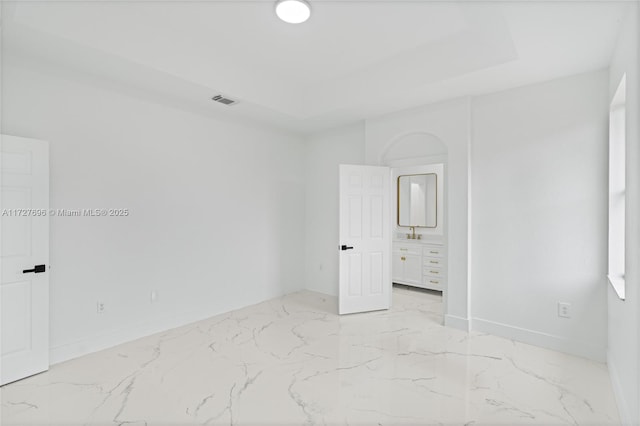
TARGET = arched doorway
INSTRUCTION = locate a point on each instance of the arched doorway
(419, 254)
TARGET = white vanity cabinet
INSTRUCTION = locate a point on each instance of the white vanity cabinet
(407, 264)
(434, 269)
(419, 264)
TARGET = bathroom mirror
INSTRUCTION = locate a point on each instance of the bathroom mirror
(417, 200)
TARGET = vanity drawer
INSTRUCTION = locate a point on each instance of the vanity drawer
(434, 283)
(433, 261)
(433, 251)
(433, 271)
(407, 249)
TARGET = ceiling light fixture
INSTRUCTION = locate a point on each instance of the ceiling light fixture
(293, 11)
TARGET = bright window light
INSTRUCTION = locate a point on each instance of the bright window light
(617, 189)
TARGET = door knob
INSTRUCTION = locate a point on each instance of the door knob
(36, 269)
(345, 248)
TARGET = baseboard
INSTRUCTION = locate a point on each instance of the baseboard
(113, 338)
(623, 406)
(537, 338)
(456, 322)
(326, 290)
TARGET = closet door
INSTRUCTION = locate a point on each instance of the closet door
(24, 260)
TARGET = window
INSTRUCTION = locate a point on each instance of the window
(617, 188)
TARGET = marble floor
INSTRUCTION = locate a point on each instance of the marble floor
(293, 361)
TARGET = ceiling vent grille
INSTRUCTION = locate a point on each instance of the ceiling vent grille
(222, 100)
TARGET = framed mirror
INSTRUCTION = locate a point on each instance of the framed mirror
(418, 200)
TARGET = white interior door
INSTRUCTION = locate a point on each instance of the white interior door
(24, 253)
(365, 239)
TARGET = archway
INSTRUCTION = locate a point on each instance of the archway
(411, 153)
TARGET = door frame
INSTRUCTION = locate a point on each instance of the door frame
(414, 165)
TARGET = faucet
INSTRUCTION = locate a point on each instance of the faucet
(413, 232)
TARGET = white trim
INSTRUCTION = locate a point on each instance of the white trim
(418, 161)
(549, 341)
(618, 393)
(618, 285)
(385, 150)
(456, 322)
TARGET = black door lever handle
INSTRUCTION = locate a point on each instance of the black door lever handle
(36, 269)
(345, 248)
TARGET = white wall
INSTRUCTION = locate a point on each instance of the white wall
(447, 122)
(217, 209)
(623, 318)
(539, 225)
(324, 152)
(536, 200)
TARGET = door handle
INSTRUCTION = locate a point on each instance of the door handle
(36, 269)
(346, 248)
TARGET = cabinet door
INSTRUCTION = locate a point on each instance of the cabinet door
(397, 268)
(413, 268)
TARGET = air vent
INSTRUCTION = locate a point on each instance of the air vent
(221, 99)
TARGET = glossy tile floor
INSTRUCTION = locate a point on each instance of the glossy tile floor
(293, 361)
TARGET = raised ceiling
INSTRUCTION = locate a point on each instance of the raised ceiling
(350, 61)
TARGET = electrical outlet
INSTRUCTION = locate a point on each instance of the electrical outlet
(564, 310)
(153, 296)
(100, 307)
